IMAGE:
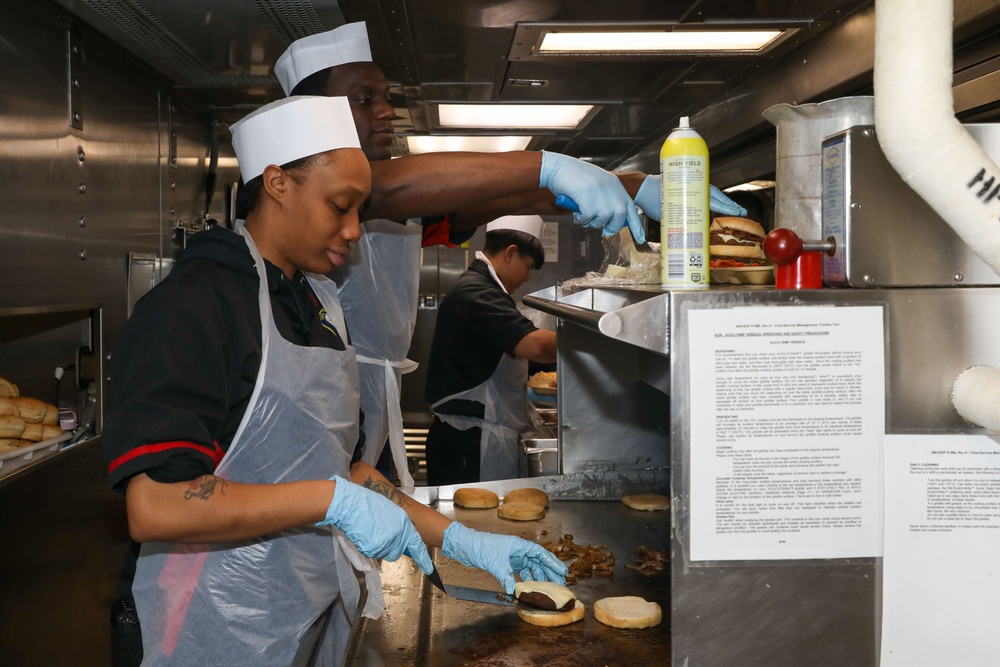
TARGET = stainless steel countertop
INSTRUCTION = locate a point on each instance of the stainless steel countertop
(422, 626)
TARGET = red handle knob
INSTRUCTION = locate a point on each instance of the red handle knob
(782, 246)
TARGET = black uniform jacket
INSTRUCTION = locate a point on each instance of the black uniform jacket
(477, 323)
(185, 367)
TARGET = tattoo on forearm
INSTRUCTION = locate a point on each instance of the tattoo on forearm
(204, 487)
(387, 490)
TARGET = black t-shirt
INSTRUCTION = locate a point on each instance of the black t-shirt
(477, 323)
(185, 367)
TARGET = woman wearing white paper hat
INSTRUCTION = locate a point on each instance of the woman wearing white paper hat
(478, 366)
(234, 429)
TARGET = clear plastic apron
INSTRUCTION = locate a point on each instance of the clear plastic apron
(249, 603)
(379, 287)
(505, 415)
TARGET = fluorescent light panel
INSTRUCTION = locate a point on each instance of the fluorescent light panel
(659, 41)
(513, 116)
(439, 144)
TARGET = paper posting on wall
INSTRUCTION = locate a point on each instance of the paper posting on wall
(940, 572)
(787, 419)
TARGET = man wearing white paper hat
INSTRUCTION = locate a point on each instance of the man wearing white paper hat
(234, 431)
(479, 358)
(446, 196)
(443, 194)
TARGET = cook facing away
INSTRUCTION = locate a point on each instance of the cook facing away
(479, 358)
(234, 430)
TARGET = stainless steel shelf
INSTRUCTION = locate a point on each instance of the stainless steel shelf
(635, 315)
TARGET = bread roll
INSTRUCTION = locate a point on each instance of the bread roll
(473, 498)
(7, 407)
(39, 432)
(529, 495)
(11, 426)
(32, 432)
(32, 410)
(51, 415)
(521, 511)
(8, 388)
(8, 445)
(628, 611)
(25, 443)
(647, 501)
(545, 379)
(552, 619)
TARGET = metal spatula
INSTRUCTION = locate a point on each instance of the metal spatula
(562, 201)
(470, 594)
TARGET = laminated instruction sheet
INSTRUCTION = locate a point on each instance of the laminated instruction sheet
(787, 420)
(940, 566)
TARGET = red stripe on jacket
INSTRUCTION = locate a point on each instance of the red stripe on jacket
(214, 454)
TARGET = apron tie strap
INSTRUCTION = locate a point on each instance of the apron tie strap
(397, 442)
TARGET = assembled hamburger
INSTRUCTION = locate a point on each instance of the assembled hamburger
(735, 242)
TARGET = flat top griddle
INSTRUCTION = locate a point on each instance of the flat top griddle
(422, 626)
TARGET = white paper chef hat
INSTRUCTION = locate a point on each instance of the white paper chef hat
(292, 128)
(531, 224)
(346, 44)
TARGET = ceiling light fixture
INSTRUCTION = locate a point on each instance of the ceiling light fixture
(513, 116)
(625, 39)
(445, 143)
(688, 41)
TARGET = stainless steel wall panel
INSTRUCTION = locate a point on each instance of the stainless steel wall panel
(74, 202)
(608, 419)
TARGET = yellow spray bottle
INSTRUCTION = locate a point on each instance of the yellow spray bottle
(684, 208)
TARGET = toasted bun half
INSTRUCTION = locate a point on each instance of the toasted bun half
(552, 619)
(529, 495)
(476, 499)
(628, 611)
(738, 227)
(521, 511)
(647, 501)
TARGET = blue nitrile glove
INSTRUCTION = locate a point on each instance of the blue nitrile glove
(502, 556)
(648, 199)
(718, 202)
(600, 197)
(379, 527)
(638, 232)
